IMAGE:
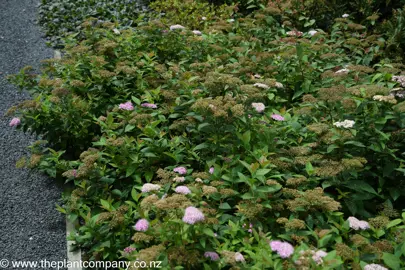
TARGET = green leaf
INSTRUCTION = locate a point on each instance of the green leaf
(134, 194)
(60, 209)
(262, 172)
(208, 232)
(247, 196)
(393, 223)
(361, 185)
(225, 206)
(105, 204)
(356, 143)
(391, 261)
(331, 147)
(130, 170)
(203, 125)
(246, 138)
(309, 169)
(136, 100)
(376, 76)
(324, 240)
(129, 128)
(201, 146)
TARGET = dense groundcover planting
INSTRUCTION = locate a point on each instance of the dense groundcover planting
(239, 143)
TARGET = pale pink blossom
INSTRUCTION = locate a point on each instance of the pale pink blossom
(259, 107)
(126, 106)
(180, 170)
(212, 255)
(129, 249)
(239, 257)
(182, 190)
(142, 225)
(277, 117)
(192, 215)
(284, 249)
(14, 122)
(149, 105)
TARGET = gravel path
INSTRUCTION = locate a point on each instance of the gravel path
(30, 227)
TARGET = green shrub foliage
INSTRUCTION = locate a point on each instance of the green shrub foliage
(226, 142)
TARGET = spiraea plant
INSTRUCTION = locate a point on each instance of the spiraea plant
(252, 145)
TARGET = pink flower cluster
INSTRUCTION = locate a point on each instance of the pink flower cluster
(356, 224)
(149, 105)
(15, 122)
(193, 215)
(126, 106)
(211, 171)
(283, 249)
(142, 225)
(129, 249)
(182, 190)
(277, 117)
(180, 170)
(212, 255)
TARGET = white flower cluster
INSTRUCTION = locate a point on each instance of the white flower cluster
(345, 15)
(176, 26)
(279, 85)
(312, 32)
(179, 179)
(356, 224)
(294, 33)
(389, 99)
(259, 107)
(344, 124)
(343, 70)
(150, 187)
(262, 85)
(374, 266)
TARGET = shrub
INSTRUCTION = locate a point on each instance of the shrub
(254, 145)
(64, 17)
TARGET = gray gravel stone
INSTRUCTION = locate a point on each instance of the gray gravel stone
(30, 227)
